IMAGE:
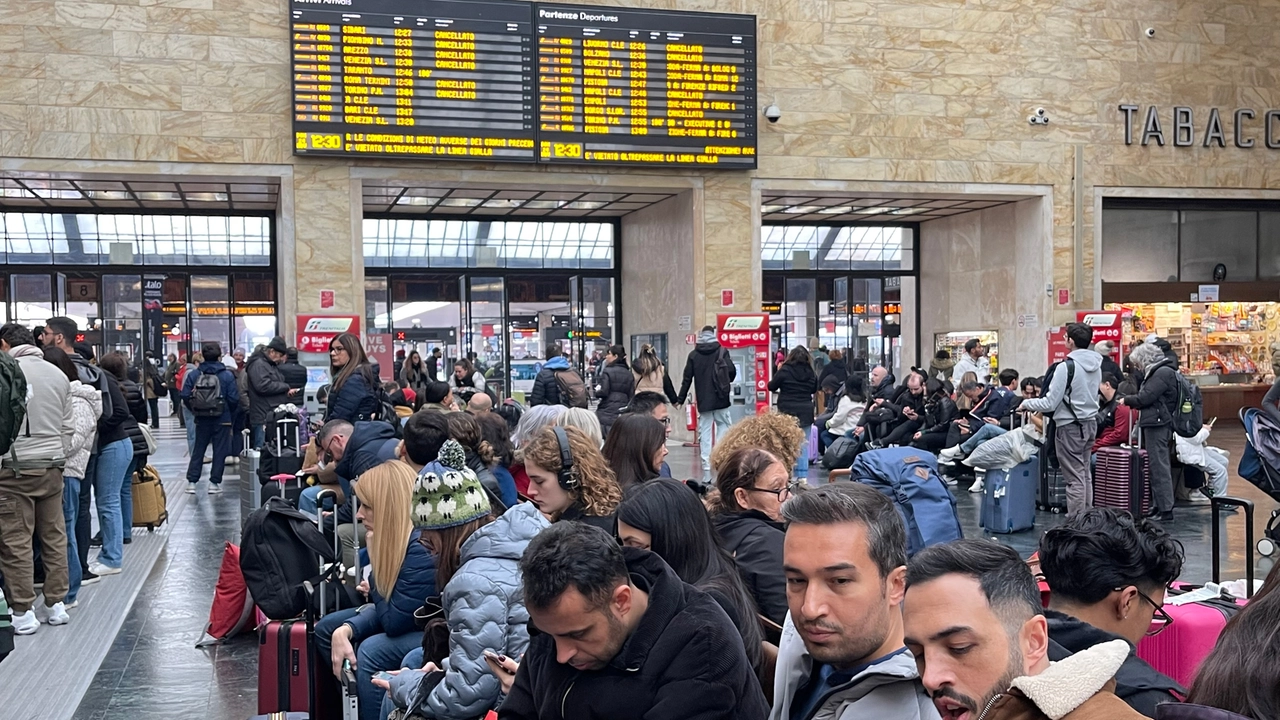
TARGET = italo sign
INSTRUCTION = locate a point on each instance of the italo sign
(1249, 127)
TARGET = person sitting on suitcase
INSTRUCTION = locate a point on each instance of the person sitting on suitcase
(622, 637)
(1108, 573)
(975, 625)
(1071, 398)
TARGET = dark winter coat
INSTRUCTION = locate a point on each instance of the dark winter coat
(904, 399)
(1157, 399)
(885, 390)
(355, 400)
(755, 542)
(110, 427)
(137, 403)
(833, 375)
(394, 615)
(795, 384)
(615, 389)
(699, 372)
(230, 394)
(267, 387)
(1186, 711)
(607, 523)
(684, 660)
(1141, 686)
(295, 376)
(546, 391)
(371, 444)
(938, 414)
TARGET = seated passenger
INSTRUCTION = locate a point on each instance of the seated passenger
(1115, 421)
(623, 638)
(438, 396)
(635, 449)
(939, 411)
(1108, 575)
(584, 420)
(842, 655)
(569, 478)
(1210, 460)
(747, 513)
(668, 519)
(907, 408)
(496, 432)
(464, 428)
(528, 426)
(849, 409)
(376, 636)
(1240, 679)
(771, 431)
(477, 564)
(976, 627)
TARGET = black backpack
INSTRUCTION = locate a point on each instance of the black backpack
(1188, 416)
(206, 396)
(387, 413)
(281, 549)
(723, 373)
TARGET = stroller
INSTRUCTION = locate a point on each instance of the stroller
(1257, 471)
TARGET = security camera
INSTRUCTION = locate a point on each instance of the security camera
(773, 113)
(1039, 112)
(1151, 32)
(1039, 117)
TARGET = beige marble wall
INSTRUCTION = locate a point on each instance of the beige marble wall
(872, 91)
(980, 271)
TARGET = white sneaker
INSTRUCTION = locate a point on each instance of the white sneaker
(58, 615)
(949, 454)
(215, 488)
(26, 623)
(949, 481)
(191, 488)
(71, 605)
(99, 569)
(976, 487)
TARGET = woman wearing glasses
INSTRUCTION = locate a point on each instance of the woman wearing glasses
(635, 449)
(752, 485)
(664, 517)
(351, 393)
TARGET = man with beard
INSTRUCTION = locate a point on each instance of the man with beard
(622, 638)
(841, 655)
(974, 622)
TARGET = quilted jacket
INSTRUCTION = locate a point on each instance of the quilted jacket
(86, 406)
(485, 608)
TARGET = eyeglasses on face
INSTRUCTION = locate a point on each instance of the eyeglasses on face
(1159, 616)
(782, 494)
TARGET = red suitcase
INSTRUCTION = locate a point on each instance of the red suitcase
(1180, 648)
(283, 667)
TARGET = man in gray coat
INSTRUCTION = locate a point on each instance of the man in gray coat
(842, 655)
(267, 387)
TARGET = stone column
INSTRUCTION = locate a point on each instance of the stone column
(327, 234)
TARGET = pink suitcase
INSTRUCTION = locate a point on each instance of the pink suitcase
(1123, 480)
(1180, 648)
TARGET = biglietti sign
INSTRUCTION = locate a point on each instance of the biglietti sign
(1249, 127)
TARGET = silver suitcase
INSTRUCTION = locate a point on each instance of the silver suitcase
(250, 459)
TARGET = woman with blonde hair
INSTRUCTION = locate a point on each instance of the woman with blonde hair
(586, 491)
(584, 420)
(403, 575)
(651, 375)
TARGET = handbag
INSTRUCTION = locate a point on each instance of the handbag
(150, 438)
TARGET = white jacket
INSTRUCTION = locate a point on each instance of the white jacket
(45, 436)
(981, 368)
(846, 417)
(1191, 451)
(86, 408)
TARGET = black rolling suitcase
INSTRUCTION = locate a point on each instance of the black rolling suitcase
(1051, 491)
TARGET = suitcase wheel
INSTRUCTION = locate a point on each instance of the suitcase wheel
(1266, 547)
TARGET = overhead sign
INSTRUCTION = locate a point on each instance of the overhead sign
(1106, 326)
(316, 332)
(742, 330)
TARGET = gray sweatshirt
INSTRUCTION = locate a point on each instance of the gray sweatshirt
(1083, 399)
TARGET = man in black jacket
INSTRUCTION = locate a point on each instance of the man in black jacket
(1108, 573)
(546, 391)
(623, 638)
(293, 373)
(267, 387)
(712, 396)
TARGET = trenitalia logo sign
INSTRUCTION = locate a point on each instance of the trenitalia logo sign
(1101, 320)
(316, 332)
(327, 325)
(744, 322)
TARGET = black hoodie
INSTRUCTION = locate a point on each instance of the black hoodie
(1141, 686)
(684, 660)
(699, 370)
(755, 542)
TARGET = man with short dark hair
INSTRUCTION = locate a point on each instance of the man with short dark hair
(1071, 398)
(973, 360)
(213, 411)
(975, 625)
(842, 655)
(654, 405)
(1115, 420)
(424, 435)
(623, 638)
(1108, 573)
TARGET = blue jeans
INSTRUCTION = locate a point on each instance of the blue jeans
(209, 431)
(191, 429)
(113, 461)
(802, 462)
(70, 512)
(259, 437)
(722, 421)
(126, 495)
(983, 434)
(413, 661)
(307, 500)
(373, 654)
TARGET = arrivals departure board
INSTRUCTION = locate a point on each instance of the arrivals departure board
(509, 81)
(421, 78)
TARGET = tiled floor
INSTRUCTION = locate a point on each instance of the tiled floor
(154, 670)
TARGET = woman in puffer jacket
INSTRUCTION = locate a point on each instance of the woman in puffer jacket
(477, 560)
(86, 408)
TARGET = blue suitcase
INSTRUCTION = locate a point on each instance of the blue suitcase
(1009, 498)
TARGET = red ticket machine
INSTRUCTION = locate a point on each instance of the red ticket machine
(746, 337)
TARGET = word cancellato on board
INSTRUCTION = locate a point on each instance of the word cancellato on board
(1183, 127)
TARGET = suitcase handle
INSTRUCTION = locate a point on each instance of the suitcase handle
(1218, 502)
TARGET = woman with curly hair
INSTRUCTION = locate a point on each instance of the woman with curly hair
(772, 431)
(586, 491)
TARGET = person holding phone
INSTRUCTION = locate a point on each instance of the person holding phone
(1210, 460)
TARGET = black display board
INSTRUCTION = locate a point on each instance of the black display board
(497, 80)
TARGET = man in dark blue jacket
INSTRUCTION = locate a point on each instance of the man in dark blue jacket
(213, 415)
(546, 391)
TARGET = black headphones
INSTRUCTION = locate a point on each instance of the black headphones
(569, 480)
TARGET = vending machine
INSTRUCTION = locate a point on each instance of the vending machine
(746, 337)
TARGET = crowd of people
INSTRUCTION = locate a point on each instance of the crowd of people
(543, 563)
